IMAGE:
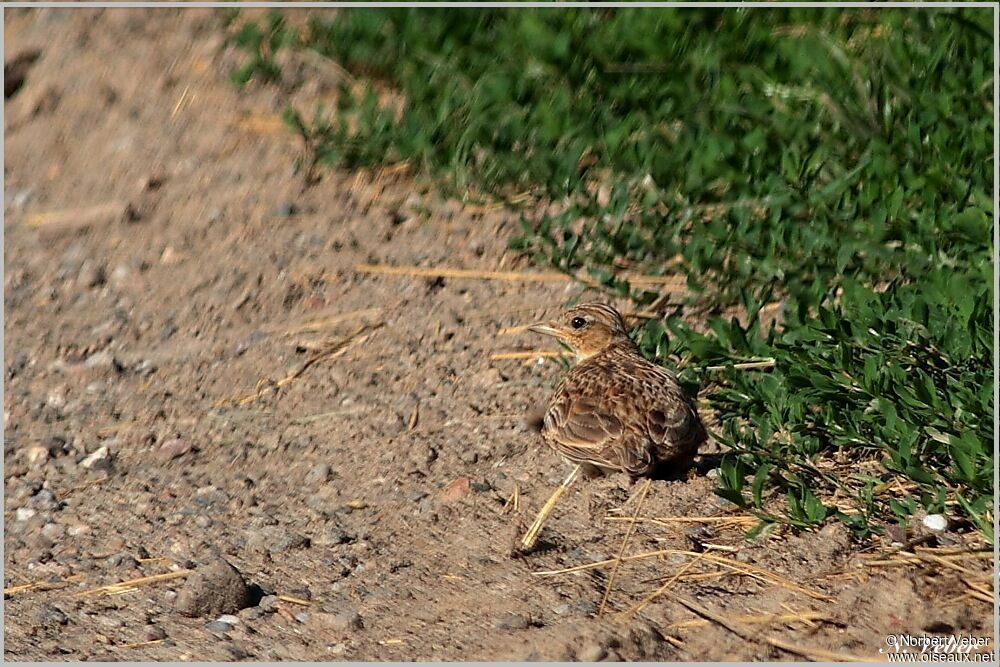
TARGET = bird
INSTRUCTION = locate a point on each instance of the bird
(616, 411)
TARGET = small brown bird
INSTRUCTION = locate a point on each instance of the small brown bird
(614, 410)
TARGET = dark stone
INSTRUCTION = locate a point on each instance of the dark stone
(213, 589)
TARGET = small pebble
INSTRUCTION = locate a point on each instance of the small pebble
(99, 460)
(119, 274)
(699, 533)
(236, 652)
(103, 360)
(145, 367)
(49, 615)
(23, 513)
(318, 474)
(285, 209)
(56, 399)
(57, 445)
(154, 633)
(250, 613)
(333, 534)
(275, 539)
(44, 501)
(123, 559)
(577, 607)
(53, 531)
(896, 533)
(91, 275)
(173, 448)
(512, 622)
(342, 621)
(591, 652)
(37, 455)
(78, 529)
(228, 618)
(935, 522)
(168, 330)
(218, 627)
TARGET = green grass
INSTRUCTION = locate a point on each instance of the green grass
(838, 162)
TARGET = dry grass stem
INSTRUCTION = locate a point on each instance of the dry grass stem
(71, 219)
(333, 351)
(150, 642)
(742, 568)
(131, 584)
(327, 322)
(514, 276)
(745, 366)
(759, 619)
(531, 537)
(946, 557)
(294, 600)
(621, 550)
(84, 485)
(979, 595)
(663, 589)
(513, 501)
(431, 272)
(263, 123)
(670, 522)
(42, 585)
(181, 101)
(285, 614)
(750, 636)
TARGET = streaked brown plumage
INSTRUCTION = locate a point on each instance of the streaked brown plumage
(615, 410)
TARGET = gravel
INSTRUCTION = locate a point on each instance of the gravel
(218, 627)
(100, 459)
(346, 620)
(45, 501)
(512, 622)
(24, 513)
(318, 474)
(576, 608)
(268, 603)
(591, 652)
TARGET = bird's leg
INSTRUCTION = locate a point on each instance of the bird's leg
(531, 537)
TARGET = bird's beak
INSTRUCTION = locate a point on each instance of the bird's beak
(547, 329)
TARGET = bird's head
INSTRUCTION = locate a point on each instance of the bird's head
(588, 329)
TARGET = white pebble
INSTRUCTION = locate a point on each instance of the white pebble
(935, 522)
(24, 513)
(100, 456)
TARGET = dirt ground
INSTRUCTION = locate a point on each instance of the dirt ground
(162, 258)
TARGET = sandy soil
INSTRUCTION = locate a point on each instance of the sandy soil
(162, 259)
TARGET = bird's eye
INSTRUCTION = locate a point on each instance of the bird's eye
(578, 322)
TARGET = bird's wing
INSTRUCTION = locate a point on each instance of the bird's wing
(586, 428)
(670, 418)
